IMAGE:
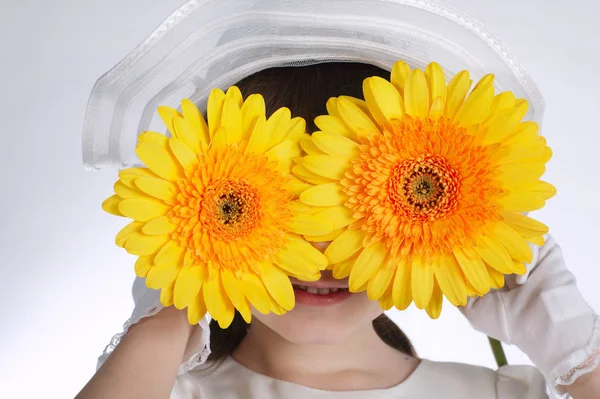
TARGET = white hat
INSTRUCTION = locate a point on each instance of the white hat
(215, 43)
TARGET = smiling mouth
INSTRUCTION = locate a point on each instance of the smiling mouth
(319, 291)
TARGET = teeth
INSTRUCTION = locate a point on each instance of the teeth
(318, 291)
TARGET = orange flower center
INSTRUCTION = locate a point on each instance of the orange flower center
(424, 189)
(230, 209)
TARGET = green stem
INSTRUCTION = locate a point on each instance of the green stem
(498, 351)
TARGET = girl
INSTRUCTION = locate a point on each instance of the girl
(343, 346)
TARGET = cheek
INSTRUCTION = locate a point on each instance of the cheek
(323, 325)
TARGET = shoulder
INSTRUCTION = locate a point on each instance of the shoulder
(470, 381)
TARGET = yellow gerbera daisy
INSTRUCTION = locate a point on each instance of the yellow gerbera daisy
(425, 185)
(214, 222)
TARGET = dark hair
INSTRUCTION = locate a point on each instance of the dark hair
(305, 91)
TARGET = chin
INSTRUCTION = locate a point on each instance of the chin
(322, 325)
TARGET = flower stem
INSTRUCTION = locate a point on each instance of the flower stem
(498, 351)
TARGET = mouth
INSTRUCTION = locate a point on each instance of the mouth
(320, 296)
(317, 290)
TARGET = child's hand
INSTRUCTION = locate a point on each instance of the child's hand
(545, 316)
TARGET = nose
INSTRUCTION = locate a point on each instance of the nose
(321, 246)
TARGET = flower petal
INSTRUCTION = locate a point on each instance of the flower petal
(336, 145)
(524, 225)
(476, 107)
(170, 254)
(474, 270)
(129, 175)
(502, 101)
(124, 191)
(127, 231)
(304, 174)
(346, 245)
(258, 137)
(366, 265)
(143, 264)
(335, 125)
(342, 269)
(187, 285)
(309, 146)
(458, 87)
(233, 288)
(436, 81)
(274, 132)
(252, 109)
(161, 276)
(378, 285)
(383, 100)
(330, 194)
(231, 120)
(434, 309)
(516, 245)
(216, 98)
(111, 205)
(186, 158)
(416, 94)
(295, 129)
(284, 154)
(157, 188)
(502, 124)
(494, 254)
(166, 295)
(159, 226)
(168, 115)
(300, 257)
(310, 225)
(496, 278)
(402, 291)
(296, 186)
(339, 216)
(451, 279)
(436, 110)
(278, 285)
(326, 237)
(421, 281)
(143, 209)
(354, 117)
(399, 75)
(197, 309)
(160, 160)
(256, 292)
(195, 130)
(217, 301)
(142, 244)
(328, 166)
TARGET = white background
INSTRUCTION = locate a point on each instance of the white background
(65, 286)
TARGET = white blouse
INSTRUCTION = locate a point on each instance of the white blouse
(431, 380)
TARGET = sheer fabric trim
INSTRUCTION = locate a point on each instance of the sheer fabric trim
(198, 355)
(581, 362)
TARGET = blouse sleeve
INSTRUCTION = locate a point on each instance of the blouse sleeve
(520, 382)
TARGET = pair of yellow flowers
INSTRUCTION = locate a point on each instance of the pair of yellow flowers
(420, 187)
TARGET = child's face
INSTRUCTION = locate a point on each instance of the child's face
(315, 321)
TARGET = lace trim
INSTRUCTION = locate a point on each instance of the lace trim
(135, 318)
(585, 360)
(197, 359)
